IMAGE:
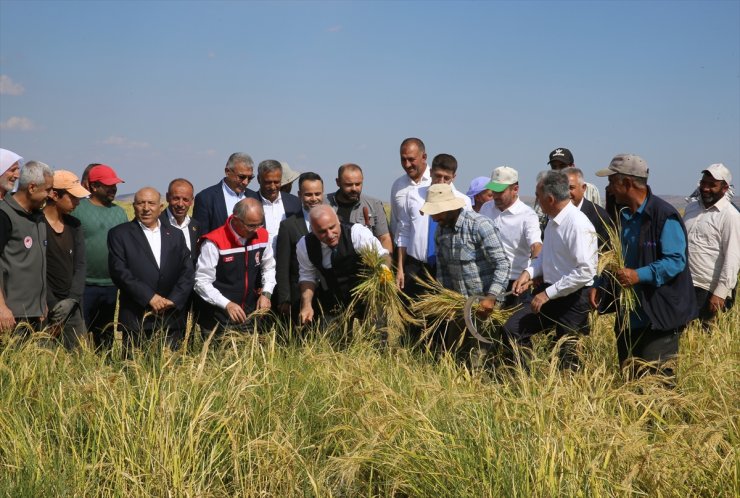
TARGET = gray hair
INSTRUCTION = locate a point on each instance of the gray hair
(34, 172)
(268, 166)
(572, 170)
(555, 183)
(237, 158)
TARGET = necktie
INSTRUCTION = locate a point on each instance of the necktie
(431, 247)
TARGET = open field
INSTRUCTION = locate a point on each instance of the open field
(268, 416)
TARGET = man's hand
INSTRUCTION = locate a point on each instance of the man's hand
(306, 314)
(160, 304)
(521, 284)
(716, 303)
(627, 277)
(236, 313)
(263, 302)
(538, 301)
(400, 278)
(594, 297)
(485, 307)
(7, 320)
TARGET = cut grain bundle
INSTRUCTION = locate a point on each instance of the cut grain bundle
(378, 299)
(611, 260)
(439, 305)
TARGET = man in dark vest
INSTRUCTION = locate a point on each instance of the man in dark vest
(332, 251)
(235, 273)
(655, 247)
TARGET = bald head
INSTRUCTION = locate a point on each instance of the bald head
(325, 224)
(249, 217)
(147, 206)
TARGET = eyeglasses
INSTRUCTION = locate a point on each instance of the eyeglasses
(241, 178)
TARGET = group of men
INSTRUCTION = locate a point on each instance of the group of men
(67, 250)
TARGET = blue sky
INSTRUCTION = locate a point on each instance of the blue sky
(165, 89)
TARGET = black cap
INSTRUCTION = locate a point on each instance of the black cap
(561, 154)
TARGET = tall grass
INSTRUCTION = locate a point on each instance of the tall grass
(255, 416)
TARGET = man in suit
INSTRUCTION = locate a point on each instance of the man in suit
(179, 199)
(596, 214)
(215, 203)
(287, 293)
(151, 266)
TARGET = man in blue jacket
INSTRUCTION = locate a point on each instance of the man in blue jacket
(655, 248)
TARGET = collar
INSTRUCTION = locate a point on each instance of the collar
(564, 213)
(720, 205)
(427, 175)
(147, 229)
(230, 192)
(580, 204)
(279, 199)
(627, 215)
(173, 221)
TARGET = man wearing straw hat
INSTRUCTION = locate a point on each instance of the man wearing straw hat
(566, 265)
(288, 178)
(470, 257)
(10, 165)
(655, 249)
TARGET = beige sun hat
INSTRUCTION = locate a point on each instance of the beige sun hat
(441, 198)
(289, 176)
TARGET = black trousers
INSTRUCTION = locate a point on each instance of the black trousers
(653, 348)
(412, 267)
(702, 303)
(568, 315)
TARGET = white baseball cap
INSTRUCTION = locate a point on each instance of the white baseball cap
(719, 171)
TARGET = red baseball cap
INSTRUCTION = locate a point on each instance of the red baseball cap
(103, 174)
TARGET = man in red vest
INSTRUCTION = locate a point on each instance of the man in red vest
(235, 273)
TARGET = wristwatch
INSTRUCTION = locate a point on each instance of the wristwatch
(268, 295)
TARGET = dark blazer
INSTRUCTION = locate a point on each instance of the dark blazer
(195, 231)
(599, 217)
(291, 203)
(210, 206)
(134, 271)
(286, 262)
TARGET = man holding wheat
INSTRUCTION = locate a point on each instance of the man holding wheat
(655, 254)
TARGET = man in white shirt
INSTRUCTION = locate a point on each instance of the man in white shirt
(150, 264)
(414, 163)
(567, 266)
(179, 199)
(332, 251)
(276, 205)
(415, 237)
(235, 273)
(517, 224)
(713, 228)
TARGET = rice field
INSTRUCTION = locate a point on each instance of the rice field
(329, 412)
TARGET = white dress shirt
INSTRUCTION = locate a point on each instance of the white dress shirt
(518, 228)
(714, 245)
(362, 238)
(205, 271)
(397, 189)
(183, 227)
(230, 197)
(413, 227)
(569, 253)
(154, 238)
(274, 214)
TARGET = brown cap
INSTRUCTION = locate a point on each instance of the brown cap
(626, 164)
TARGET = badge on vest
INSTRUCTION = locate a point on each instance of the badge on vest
(228, 259)
(28, 242)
